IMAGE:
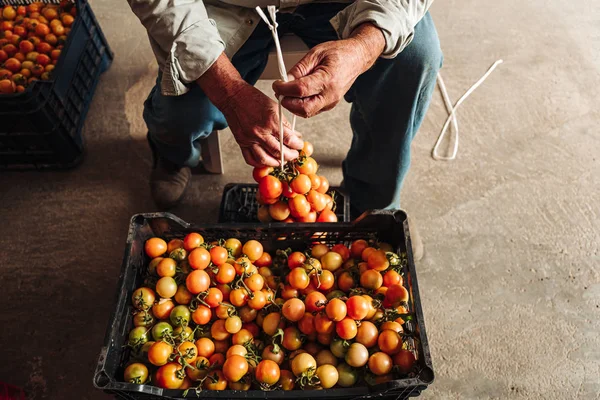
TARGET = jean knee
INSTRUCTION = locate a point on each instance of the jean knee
(184, 118)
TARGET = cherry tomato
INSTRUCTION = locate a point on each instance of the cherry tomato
(242, 337)
(396, 295)
(218, 255)
(357, 247)
(189, 351)
(143, 298)
(235, 368)
(391, 277)
(143, 318)
(180, 316)
(307, 324)
(327, 216)
(271, 323)
(270, 187)
(218, 331)
(346, 328)
(257, 300)
(155, 247)
(205, 347)
(308, 149)
(136, 373)
(357, 307)
(323, 324)
(301, 184)
(404, 360)
(347, 375)
(287, 380)
(315, 301)
(336, 310)
(216, 380)
(315, 182)
(332, 261)
(197, 281)
(260, 172)
(214, 297)
(269, 353)
(170, 376)
(225, 274)
(377, 260)
(159, 353)
(324, 185)
(292, 339)
(372, 309)
(236, 349)
(371, 279)
(328, 375)
(267, 372)
(199, 258)
(202, 315)
(302, 363)
(279, 211)
(394, 326)
(233, 324)
(323, 281)
(161, 329)
(182, 295)
(162, 309)
(357, 355)
(238, 297)
(298, 278)
(253, 250)
(346, 282)
(288, 192)
(255, 282)
(308, 167)
(389, 341)
(166, 287)
(293, 309)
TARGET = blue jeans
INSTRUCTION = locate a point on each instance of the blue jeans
(389, 102)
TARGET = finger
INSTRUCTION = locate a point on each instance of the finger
(263, 158)
(249, 157)
(273, 147)
(305, 108)
(302, 68)
(292, 139)
(287, 125)
(306, 86)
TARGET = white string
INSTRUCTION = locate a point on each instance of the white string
(452, 113)
(282, 71)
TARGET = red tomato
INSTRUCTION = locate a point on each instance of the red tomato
(327, 216)
(358, 307)
(279, 211)
(270, 187)
(346, 329)
(301, 184)
(199, 258)
(192, 241)
(260, 172)
(197, 281)
(342, 251)
(315, 301)
(391, 277)
(299, 206)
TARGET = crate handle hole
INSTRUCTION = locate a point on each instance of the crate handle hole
(426, 375)
(101, 379)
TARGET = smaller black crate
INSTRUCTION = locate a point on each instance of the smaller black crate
(42, 127)
(387, 226)
(239, 205)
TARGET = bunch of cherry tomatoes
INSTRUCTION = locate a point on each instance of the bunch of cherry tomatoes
(31, 39)
(294, 193)
(229, 315)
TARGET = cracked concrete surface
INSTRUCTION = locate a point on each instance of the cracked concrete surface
(510, 280)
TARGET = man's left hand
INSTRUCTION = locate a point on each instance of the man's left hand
(319, 81)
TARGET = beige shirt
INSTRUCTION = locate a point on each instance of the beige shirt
(187, 36)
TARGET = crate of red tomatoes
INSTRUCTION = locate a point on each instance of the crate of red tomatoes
(267, 311)
(51, 58)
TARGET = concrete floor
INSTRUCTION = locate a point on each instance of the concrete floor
(511, 275)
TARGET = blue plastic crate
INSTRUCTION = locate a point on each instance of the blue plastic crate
(42, 127)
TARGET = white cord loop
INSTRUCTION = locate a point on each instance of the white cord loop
(282, 71)
(452, 113)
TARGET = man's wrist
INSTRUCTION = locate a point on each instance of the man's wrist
(370, 40)
(221, 82)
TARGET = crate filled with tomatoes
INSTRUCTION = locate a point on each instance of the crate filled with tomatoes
(51, 58)
(275, 311)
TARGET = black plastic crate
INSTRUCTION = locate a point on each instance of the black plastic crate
(239, 205)
(389, 226)
(42, 127)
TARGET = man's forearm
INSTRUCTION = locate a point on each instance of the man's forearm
(371, 42)
(221, 81)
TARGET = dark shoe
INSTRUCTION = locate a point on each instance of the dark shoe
(168, 181)
(417, 242)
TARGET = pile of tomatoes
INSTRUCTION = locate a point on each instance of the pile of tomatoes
(294, 193)
(229, 315)
(31, 39)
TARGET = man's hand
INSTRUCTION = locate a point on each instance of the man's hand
(328, 70)
(251, 115)
(253, 119)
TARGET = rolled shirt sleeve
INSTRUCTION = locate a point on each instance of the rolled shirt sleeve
(184, 39)
(395, 18)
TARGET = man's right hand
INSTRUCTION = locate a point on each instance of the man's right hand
(251, 115)
(253, 119)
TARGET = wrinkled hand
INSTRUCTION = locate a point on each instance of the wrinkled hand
(253, 119)
(328, 70)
